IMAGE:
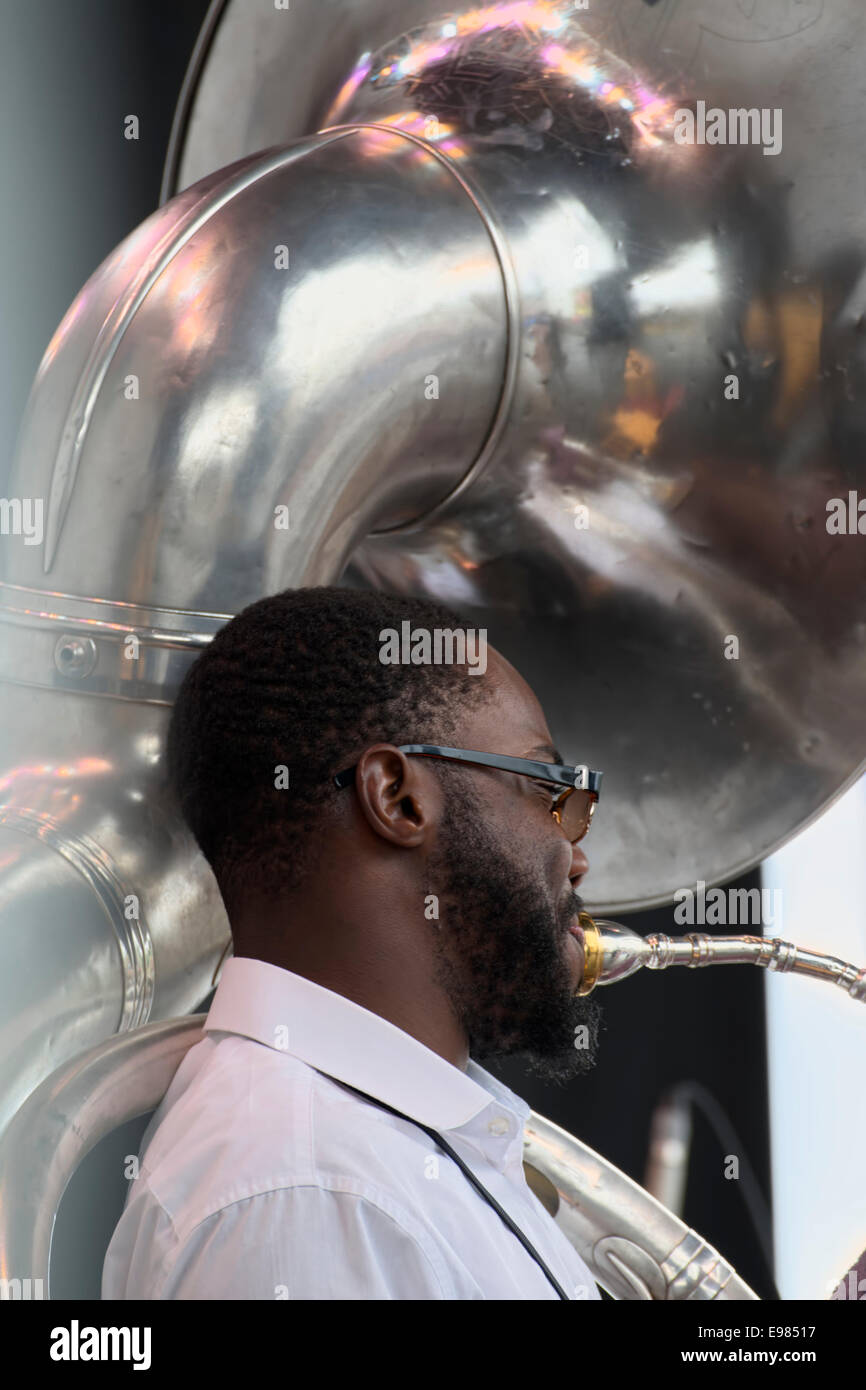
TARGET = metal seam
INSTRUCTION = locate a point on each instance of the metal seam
(132, 934)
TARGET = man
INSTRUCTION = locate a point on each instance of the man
(389, 933)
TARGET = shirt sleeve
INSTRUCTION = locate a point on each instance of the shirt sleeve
(309, 1243)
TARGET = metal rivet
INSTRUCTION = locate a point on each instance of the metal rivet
(75, 656)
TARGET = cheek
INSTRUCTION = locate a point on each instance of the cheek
(531, 838)
(554, 855)
(540, 846)
(561, 861)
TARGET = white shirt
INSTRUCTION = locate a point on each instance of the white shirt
(260, 1178)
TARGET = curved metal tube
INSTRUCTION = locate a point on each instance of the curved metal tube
(634, 1246)
(613, 952)
(233, 401)
(64, 1118)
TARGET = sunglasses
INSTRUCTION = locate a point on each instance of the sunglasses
(572, 807)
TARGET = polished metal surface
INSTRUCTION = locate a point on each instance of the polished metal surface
(233, 401)
(617, 952)
(647, 273)
(635, 1248)
(64, 1118)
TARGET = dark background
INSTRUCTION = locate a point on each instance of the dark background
(73, 187)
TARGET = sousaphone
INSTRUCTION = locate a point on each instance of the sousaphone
(454, 305)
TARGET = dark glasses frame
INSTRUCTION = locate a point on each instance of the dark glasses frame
(578, 778)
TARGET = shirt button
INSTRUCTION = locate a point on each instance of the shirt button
(499, 1126)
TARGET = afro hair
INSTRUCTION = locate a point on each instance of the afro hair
(295, 681)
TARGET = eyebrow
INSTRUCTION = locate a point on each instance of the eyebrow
(546, 753)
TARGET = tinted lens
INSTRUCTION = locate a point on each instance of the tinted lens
(577, 812)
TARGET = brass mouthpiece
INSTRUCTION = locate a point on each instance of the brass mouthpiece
(593, 954)
(612, 952)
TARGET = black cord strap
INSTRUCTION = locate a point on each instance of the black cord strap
(479, 1187)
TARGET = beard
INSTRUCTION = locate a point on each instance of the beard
(502, 953)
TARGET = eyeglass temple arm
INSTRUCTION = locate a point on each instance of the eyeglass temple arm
(584, 778)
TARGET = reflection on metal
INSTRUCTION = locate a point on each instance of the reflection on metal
(190, 396)
(64, 1119)
(635, 1247)
(132, 932)
(632, 518)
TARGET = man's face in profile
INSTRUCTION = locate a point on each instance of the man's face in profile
(505, 875)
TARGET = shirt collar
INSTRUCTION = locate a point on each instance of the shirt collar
(326, 1030)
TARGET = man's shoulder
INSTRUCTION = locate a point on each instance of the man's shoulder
(246, 1120)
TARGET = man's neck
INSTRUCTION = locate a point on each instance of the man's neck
(380, 973)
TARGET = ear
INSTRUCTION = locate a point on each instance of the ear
(399, 799)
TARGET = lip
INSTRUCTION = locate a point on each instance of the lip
(577, 953)
(576, 930)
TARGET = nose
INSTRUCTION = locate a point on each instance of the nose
(579, 865)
